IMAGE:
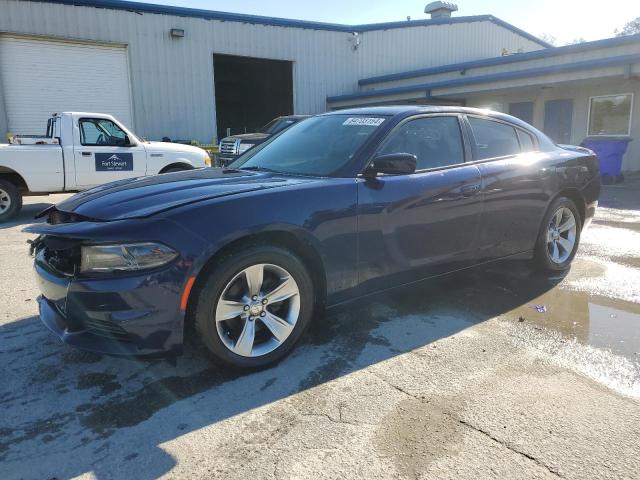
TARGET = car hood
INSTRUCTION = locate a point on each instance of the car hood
(250, 137)
(146, 196)
(170, 147)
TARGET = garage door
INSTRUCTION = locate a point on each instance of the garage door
(41, 77)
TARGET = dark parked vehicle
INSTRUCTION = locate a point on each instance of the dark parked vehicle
(235, 145)
(342, 205)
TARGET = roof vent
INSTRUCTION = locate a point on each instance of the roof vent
(440, 9)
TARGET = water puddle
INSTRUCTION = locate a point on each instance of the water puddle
(597, 321)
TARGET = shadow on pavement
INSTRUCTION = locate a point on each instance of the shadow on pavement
(26, 215)
(79, 413)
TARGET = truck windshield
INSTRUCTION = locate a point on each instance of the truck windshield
(319, 146)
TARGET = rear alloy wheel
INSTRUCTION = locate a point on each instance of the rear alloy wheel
(10, 201)
(559, 236)
(255, 306)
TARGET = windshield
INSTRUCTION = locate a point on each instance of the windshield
(319, 146)
(277, 125)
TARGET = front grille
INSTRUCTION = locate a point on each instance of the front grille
(105, 328)
(229, 147)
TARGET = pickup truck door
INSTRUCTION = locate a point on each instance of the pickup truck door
(104, 153)
(418, 225)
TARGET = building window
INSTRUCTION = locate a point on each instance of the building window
(610, 115)
(522, 110)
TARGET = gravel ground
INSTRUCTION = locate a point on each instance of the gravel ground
(491, 373)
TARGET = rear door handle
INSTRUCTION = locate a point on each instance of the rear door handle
(86, 154)
(470, 189)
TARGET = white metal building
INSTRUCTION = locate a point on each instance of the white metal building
(197, 74)
(588, 90)
(193, 74)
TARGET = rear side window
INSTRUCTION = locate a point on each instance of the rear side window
(493, 139)
(526, 142)
(435, 141)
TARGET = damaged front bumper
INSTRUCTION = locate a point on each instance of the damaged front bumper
(133, 314)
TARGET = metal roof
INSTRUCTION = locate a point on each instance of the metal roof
(140, 7)
(493, 77)
(516, 57)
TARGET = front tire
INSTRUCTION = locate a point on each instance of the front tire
(254, 306)
(559, 236)
(10, 201)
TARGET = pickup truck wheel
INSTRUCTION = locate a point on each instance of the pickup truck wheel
(175, 169)
(254, 306)
(559, 236)
(10, 201)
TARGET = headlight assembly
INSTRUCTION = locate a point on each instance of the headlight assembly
(243, 147)
(128, 257)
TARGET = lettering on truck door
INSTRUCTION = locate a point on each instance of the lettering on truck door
(106, 154)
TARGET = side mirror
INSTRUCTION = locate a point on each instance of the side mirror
(392, 164)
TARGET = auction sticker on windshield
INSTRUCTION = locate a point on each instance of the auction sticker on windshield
(371, 121)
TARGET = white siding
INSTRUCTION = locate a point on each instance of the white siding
(580, 94)
(172, 79)
(42, 77)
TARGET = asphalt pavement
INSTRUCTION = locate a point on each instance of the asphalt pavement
(496, 372)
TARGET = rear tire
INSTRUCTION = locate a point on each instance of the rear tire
(249, 319)
(10, 201)
(559, 236)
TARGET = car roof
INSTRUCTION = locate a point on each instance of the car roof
(409, 110)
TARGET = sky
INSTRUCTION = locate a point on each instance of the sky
(566, 20)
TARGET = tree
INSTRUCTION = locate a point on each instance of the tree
(630, 28)
(547, 37)
(575, 41)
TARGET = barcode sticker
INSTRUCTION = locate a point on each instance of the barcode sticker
(371, 121)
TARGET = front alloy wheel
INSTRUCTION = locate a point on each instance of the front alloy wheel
(258, 310)
(254, 305)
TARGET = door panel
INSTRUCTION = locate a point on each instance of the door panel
(417, 225)
(515, 197)
(522, 110)
(514, 187)
(42, 76)
(103, 154)
(558, 119)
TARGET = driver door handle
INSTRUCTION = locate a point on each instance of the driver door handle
(86, 154)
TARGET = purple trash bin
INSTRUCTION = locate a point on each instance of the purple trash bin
(610, 151)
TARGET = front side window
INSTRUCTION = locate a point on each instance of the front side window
(101, 132)
(319, 146)
(435, 141)
(610, 115)
(493, 139)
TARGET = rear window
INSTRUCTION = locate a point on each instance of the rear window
(526, 141)
(493, 139)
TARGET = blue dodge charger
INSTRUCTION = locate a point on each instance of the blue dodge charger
(339, 206)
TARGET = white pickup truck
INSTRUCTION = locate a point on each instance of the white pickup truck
(80, 151)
